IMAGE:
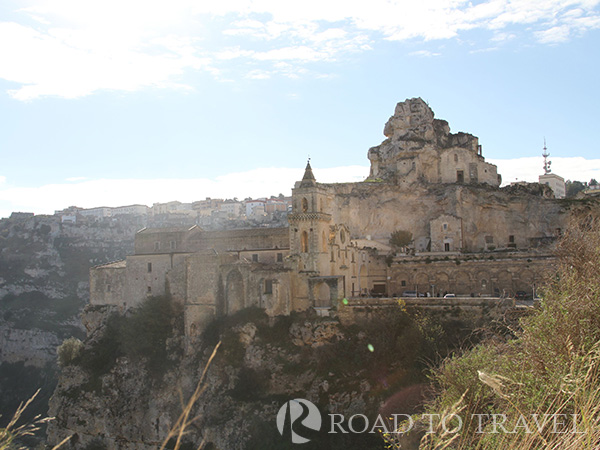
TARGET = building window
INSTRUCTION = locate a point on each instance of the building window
(403, 283)
(460, 176)
(157, 246)
(455, 157)
(254, 257)
(149, 290)
(279, 257)
(511, 239)
(268, 286)
(445, 227)
(304, 242)
(149, 267)
(304, 205)
(446, 247)
(489, 239)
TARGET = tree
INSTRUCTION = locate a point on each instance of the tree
(593, 182)
(400, 238)
(575, 187)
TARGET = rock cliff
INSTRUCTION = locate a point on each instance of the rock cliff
(44, 270)
(343, 368)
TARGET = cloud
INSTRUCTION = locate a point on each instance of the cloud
(424, 54)
(70, 48)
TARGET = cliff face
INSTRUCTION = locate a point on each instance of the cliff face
(344, 368)
(44, 270)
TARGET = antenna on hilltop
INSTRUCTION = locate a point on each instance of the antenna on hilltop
(547, 163)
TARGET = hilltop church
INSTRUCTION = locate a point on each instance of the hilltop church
(468, 236)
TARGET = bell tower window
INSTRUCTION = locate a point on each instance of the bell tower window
(304, 242)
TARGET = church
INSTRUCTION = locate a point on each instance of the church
(464, 235)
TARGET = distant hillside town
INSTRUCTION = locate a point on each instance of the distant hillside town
(210, 213)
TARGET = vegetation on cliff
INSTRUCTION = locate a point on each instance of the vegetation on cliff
(141, 335)
(542, 389)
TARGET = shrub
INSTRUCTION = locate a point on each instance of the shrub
(69, 351)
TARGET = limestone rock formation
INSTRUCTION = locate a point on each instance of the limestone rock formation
(415, 147)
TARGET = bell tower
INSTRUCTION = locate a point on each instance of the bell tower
(309, 223)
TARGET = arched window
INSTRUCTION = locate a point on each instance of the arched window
(304, 242)
(304, 205)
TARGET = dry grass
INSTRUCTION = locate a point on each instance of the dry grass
(12, 433)
(179, 430)
(550, 370)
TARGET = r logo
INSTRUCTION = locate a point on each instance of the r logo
(298, 418)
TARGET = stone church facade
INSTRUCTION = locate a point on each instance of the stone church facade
(469, 237)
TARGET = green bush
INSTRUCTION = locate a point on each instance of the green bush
(69, 351)
(141, 335)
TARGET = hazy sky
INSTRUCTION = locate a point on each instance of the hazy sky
(114, 102)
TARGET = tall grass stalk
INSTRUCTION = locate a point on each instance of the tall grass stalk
(179, 430)
(12, 433)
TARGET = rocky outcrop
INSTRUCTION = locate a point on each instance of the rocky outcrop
(417, 149)
(262, 363)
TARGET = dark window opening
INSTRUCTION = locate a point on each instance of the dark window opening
(460, 176)
(149, 267)
(511, 239)
(254, 257)
(446, 247)
(268, 286)
(403, 283)
(149, 290)
(279, 257)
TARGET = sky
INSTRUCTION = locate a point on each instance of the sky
(108, 103)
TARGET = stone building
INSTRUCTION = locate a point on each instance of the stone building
(469, 237)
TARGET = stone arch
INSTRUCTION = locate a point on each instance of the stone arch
(322, 295)
(526, 281)
(234, 292)
(442, 283)
(505, 283)
(462, 283)
(304, 204)
(304, 241)
(483, 283)
(421, 282)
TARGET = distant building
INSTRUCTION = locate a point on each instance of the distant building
(255, 208)
(556, 183)
(231, 208)
(132, 210)
(21, 215)
(98, 213)
(207, 206)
